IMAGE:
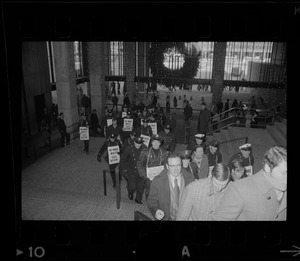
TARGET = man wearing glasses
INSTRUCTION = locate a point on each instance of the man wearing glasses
(167, 188)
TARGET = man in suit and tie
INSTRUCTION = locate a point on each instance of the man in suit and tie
(166, 189)
(261, 196)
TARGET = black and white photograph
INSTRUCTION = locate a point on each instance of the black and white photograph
(217, 150)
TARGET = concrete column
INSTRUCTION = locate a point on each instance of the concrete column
(36, 79)
(66, 82)
(218, 71)
(98, 66)
(129, 68)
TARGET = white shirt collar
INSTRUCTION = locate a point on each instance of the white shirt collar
(172, 179)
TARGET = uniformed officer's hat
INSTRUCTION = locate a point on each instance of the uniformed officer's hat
(112, 136)
(145, 120)
(168, 127)
(246, 146)
(200, 136)
(138, 140)
(156, 137)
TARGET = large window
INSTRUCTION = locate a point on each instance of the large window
(116, 59)
(255, 61)
(206, 50)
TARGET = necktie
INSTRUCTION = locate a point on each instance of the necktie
(176, 191)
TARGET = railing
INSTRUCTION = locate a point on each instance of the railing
(238, 119)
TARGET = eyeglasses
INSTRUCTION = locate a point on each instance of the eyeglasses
(173, 166)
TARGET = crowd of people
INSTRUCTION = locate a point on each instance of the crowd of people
(194, 184)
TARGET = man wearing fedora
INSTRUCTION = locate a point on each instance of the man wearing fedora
(246, 156)
(128, 167)
(151, 161)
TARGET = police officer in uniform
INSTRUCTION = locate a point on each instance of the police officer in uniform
(246, 156)
(84, 123)
(109, 116)
(113, 168)
(169, 139)
(126, 134)
(114, 129)
(128, 167)
(145, 129)
(150, 157)
(199, 140)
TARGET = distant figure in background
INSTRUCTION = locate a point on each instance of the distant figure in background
(119, 88)
(203, 120)
(83, 122)
(188, 112)
(175, 104)
(115, 100)
(170, 120)
(126, 100)
(94, 122)
(226, 108)
(124, 88)
(219, 106)
(85, 101)
(154, 100)
(113, 88)
(62, 128)
(168, 106)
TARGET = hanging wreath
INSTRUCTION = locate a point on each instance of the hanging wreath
(156, 57)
